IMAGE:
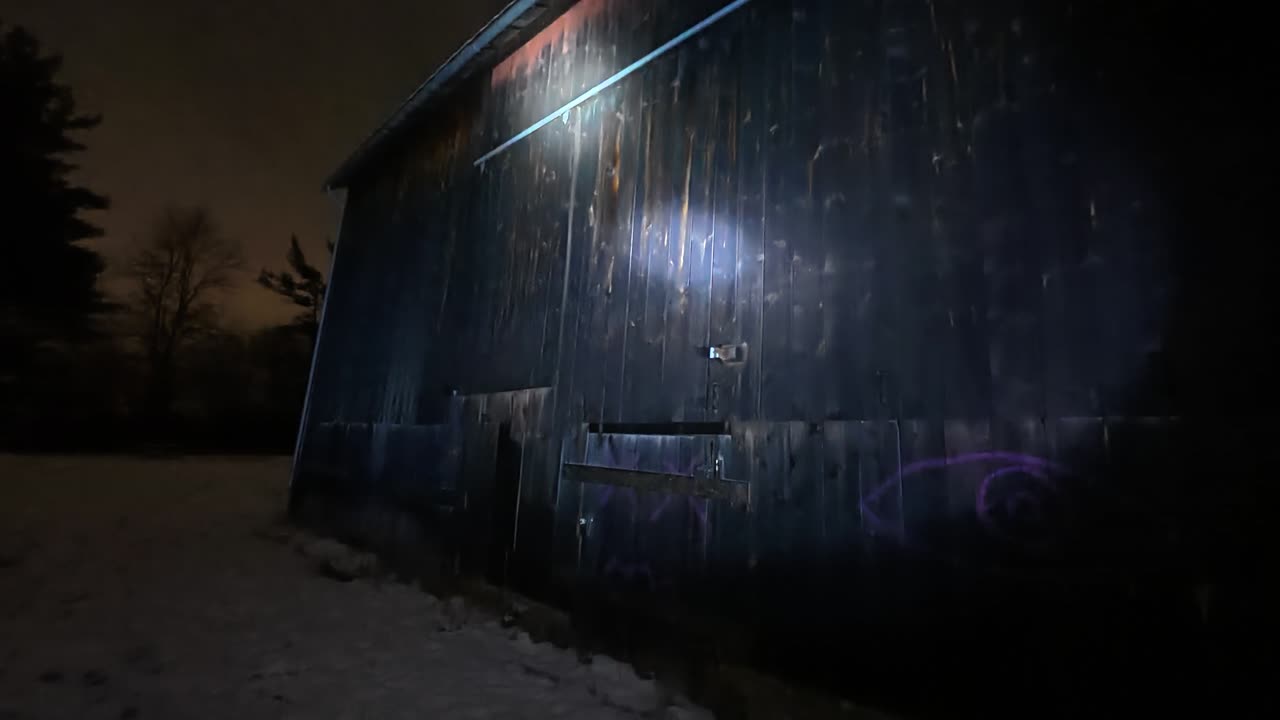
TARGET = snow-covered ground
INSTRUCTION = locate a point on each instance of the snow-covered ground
(150, 588)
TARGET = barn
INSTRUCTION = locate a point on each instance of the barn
(866, 325)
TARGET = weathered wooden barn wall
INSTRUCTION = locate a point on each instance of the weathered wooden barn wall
(935, 232)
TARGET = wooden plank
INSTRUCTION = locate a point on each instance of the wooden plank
(668, 523)
(833, 217)
(610, 511)
(523, 232)
(594, 448)
(876, 447)
(569, 300)
(775, 528)
(756, 545)
(677, 388)
(476, 481)
(740, 392)
(839, 511)
(728, 527)
(805, 489)
(628, 254)
(649, 457)
(535, 508)
(913, 208)
(554, 216)
(781, 175)
(954, 327)
(724, 327)
(1011, 262)
(568, 503)
(848, 178)
(1055, 197)
(1021, 506)
(963, 341)
(464, 301)
(695, 486)
(697, 220)
(881, 270)
(490, 256)
(594, 216)
(696, 538)
(538, 425)
(591, 339)
(924, 493)
(804, 142)
(643, 352)
(966, 441)
(587, 543)
(665, 156)
(469, 192)
(494, 270)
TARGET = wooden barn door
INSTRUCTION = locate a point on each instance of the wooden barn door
(647, 505)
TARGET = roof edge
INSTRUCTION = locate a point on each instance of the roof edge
(518, 15)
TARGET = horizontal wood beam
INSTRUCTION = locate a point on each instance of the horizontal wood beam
(737, 493)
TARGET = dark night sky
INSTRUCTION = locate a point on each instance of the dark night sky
(242, 105)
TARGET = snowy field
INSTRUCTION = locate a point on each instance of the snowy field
(134, 588)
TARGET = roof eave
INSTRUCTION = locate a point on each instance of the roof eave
(498, 34)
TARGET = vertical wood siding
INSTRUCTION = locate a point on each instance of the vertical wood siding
(935, 226)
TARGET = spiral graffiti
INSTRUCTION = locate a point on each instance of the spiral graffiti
(1016, 501)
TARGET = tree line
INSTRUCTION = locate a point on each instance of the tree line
(157, 368)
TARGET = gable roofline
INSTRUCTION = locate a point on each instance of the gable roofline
(501, 36)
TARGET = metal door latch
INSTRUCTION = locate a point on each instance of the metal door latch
(728, 354)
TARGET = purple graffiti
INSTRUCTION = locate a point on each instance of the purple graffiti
(1009, 503)
(699, 506)
(618, 564)
(656, 515)
(1024, 501)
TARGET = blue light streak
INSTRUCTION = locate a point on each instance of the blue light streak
(666, 47)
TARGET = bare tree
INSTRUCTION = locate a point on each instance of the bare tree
(304, 287)
(184, 265)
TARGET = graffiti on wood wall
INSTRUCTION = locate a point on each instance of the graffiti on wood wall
(1018, 499)
(1000, 498)
(632, 554)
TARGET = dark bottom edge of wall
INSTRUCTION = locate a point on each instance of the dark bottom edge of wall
(811, 663)
(708, 660)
